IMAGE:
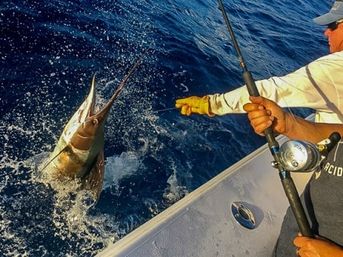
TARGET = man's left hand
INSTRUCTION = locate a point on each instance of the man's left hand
(316, 247)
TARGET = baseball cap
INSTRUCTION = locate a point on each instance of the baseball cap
(335, 14)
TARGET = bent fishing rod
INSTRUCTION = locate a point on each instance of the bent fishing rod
(286, 179)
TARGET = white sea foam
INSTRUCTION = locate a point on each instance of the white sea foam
(118, 167)
(174, 191)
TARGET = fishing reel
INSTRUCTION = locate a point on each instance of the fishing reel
(303, 156)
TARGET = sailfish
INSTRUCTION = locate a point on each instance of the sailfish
(79, 152)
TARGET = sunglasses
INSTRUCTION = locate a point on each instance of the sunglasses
(334, 25)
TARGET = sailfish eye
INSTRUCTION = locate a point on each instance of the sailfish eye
(95, 121)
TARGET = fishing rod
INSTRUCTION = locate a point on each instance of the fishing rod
(286, 179)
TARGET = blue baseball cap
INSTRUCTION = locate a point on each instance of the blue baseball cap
(335, 14)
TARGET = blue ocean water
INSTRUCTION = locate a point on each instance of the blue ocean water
(49, 52)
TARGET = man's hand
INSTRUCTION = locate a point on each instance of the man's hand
(316, 247)
(194, 104)
(264, 113)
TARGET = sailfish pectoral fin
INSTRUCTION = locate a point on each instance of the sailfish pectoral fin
(94, 179)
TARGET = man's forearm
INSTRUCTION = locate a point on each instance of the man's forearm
(298, 128)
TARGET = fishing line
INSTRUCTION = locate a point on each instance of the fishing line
(147, 112)
(164, 110)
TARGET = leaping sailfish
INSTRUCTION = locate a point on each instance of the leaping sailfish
(79, 153)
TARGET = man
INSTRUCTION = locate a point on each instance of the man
(323, 195)
(318, 85)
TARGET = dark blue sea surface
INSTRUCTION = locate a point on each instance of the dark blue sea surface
(49, 52)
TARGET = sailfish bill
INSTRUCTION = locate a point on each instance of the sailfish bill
(79, 153)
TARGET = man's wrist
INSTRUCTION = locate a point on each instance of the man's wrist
(209, 110)
(290, 121)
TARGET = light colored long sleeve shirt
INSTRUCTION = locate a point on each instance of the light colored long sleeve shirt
(319, 86)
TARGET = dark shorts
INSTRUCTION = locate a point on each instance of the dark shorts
(284, 246)
(289, 230)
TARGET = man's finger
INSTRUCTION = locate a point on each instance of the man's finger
(178, 105)
(181, 101)
(184, 110)
(261, 127)
(300, 241)
(258, 114)
(249, 107)
(305, 253)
